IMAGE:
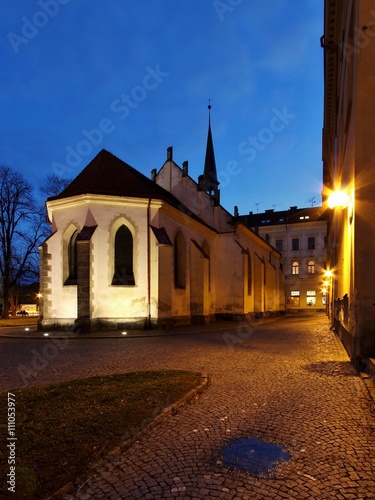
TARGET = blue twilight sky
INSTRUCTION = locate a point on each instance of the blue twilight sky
(134, 77)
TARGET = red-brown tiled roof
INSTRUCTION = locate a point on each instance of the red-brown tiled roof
(108, 175)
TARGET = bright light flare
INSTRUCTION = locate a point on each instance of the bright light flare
(338, 199)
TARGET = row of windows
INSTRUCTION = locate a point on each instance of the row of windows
(310, 267)
(279, 244)
(123, 260)
(295, 298)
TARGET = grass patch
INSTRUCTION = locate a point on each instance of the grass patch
(19, 321)
(63, 429)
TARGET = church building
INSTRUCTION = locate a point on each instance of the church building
(127, 251)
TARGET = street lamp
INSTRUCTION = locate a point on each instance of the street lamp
(338, 199)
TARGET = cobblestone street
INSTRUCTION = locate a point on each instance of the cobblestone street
(287, 381)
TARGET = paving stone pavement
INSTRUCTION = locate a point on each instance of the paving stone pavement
(287, 381)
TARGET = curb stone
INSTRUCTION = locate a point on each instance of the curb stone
(64, 492)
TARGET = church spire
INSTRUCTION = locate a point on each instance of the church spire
(208, 181)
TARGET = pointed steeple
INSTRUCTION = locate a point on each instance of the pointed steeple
(208, 181)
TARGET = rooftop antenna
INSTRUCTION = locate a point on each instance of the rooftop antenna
(276, 205)
(312, 201)
(257, 205)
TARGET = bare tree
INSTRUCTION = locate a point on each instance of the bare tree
(22, 229)
(54, 185)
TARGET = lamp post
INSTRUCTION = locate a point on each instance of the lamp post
(39, 296)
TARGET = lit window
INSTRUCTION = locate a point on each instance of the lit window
(311, 243)
(179, 261)
(295, 244)
(295, 298)
(123, 265)
(279, 245)
(311, 298)
(295, 268)
(311, 267)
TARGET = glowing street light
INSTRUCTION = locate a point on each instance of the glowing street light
(338, 199)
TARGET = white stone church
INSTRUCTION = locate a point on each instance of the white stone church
(127, 251)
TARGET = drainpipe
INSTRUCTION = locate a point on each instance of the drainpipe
(148, 321)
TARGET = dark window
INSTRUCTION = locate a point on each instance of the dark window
(72, 259)
(179, 261)
(295, 244)
(311, 243)
(123, 267)
(279, 245)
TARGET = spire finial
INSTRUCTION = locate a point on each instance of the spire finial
(208, 181)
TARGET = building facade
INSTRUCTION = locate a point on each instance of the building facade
(300, 235)
(128, 251)
(349, 169)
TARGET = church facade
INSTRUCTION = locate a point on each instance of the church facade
(127, 251)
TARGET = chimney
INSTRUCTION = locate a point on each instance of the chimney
(170, 153)
(236, 211)
(185, 166)
(153, 174)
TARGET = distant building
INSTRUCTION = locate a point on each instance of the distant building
(128, 251)
(349, 169)
(300, 235)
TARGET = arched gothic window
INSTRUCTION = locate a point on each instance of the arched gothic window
(72, 260)
(123, 257)
(179, 261)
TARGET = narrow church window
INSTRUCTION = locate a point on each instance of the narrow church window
(179, 261)
(72, 259)
(123, 265)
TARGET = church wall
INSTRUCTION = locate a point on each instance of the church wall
(224, 271)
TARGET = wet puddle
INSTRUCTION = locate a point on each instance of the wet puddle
(252, 455)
